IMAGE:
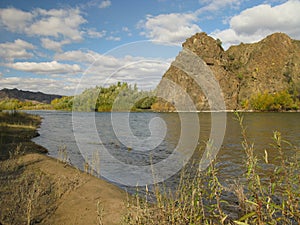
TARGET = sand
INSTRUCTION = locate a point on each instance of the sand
(58, 193)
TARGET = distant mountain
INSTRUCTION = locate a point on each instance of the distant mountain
(27, 95)
(269, 66)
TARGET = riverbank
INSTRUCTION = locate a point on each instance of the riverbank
(38, 189)
(16, 131)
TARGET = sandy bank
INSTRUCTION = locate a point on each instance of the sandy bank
(38, 188)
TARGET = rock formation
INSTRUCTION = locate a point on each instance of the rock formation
(271, 65)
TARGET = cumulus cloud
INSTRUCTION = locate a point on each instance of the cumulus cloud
(45, 67)
(253, 24)
(78, 56)
(54, 22)
(9, 51)
(173, 27)
(54, 45)
(105, 4)
(176, 27)
(15, 20)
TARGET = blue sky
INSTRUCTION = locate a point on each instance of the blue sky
(64, 47)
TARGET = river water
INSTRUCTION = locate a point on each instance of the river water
(126, 157)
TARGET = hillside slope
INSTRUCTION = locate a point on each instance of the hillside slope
(27, 95)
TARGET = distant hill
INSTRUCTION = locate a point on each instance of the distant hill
(27, 95)
(269, 66)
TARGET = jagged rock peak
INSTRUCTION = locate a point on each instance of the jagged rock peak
(204, 45)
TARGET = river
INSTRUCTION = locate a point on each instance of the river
(126, 157)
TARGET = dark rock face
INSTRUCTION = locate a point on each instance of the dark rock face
(27, 95)
(270, 65)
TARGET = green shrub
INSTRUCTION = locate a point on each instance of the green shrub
(279, 101)
(117, 97)
(145, 103)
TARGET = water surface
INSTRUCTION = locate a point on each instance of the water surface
(57, 130)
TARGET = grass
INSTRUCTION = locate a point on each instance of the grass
(273, 198)
(29, 195)
(16, 131)
(20, 126)
(19, 118)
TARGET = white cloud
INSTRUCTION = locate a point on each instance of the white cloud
(105, 4)
(45, 67)
(78, 56)
(15, 20)
(15, 50)
(177, 27)
(174, 27)
(54, 45)
(58, 23)
(96, 34)
(255, 23)
(214, 5)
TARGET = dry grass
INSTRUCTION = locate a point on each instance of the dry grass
(16, 131)
(19, 126)
(200, 198)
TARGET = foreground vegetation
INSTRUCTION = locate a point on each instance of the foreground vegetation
(257, 198)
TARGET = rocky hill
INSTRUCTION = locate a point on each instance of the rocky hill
(268, 66)
(27, 95)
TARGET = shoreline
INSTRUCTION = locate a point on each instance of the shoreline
(152, 111)
(40, 189)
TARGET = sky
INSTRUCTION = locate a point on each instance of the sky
(63, 47)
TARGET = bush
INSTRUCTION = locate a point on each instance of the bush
(117, 97)
(145, 103)
(279, 101)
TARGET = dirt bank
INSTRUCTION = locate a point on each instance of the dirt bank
(35, 188)
(40, 189)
